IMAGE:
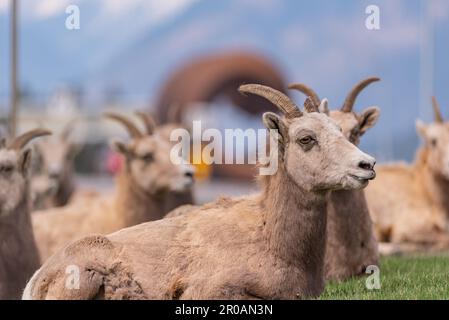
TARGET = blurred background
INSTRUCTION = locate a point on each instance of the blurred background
(146, 55)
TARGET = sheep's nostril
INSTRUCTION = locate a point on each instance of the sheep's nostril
(189, 174)
(54, 175)
(365, 165)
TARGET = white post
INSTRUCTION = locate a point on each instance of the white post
(427, 61)
(14, 97)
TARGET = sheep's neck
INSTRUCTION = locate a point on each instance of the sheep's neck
(18, 218)
(295, 224)
(20, 258)
(65, 190)
(348, 211)
(436, 186)
(134, 205)
(438, 189)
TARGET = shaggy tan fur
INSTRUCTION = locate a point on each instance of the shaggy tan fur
(410, 203)
(19, 257)
(265, 246)
(142, 194)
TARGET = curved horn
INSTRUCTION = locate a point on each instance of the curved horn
(132, 129)
(352, 96)
(148, 121)
(276, 97)
(20, 141)
(309, 92)
(437, 110)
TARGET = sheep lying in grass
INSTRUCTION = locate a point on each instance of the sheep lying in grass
(19, 257)
(351, 245)
(146, 179)
(265, 246)
(54, 182)
(410, 203)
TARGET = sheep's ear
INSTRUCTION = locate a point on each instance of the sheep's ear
(25, 160)
(120, 147)
(421, 128)
(273, 122)
(368, 119)
(324, 107)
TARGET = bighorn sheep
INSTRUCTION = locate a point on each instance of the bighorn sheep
(410, 203)
(268, 246)
(53, 184)
(174, 198)
(351, 245)
(142, 186)
(19, 257)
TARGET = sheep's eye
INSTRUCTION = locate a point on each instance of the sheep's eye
(149, 157)
(306, 140)
(433, 142)
(6, 169)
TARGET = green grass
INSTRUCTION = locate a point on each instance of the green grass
(420, 277)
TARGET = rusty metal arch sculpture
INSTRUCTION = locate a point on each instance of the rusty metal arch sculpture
(205, 78)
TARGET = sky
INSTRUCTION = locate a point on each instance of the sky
(136, 44)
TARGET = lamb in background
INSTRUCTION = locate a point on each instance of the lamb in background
(268, 246)
(142, 187)
(19, 257)
(351, 245)
(409, 204)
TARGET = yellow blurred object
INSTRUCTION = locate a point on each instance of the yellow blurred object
(203, 171)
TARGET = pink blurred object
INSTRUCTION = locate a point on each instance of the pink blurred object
(113, 162)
